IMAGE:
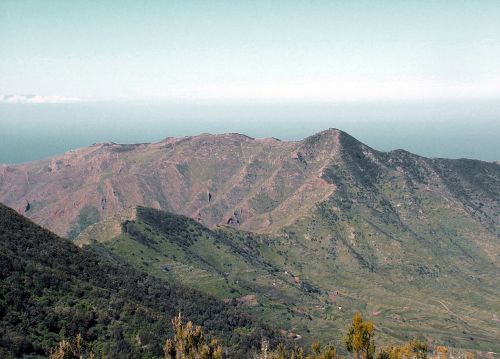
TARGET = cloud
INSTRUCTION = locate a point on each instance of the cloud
(348, 91)
(37, 99)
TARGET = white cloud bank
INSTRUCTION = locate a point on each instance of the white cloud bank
(347, 91)
(37, 99)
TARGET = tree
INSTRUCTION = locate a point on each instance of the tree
(442, 352)
(76, 349)
(359, 339)
(414, 349)
(190, 343)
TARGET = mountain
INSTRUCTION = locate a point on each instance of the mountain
(260, 185)
(51, 289)
(336, 227)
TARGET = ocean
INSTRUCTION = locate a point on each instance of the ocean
(434, 129)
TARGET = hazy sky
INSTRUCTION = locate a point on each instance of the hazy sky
(246, 50)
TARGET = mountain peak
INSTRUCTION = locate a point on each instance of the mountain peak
(325, 140)
(332, 131)
(257, 184)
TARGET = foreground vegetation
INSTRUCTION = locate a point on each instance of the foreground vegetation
(189, 342)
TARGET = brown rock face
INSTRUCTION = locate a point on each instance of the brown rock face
(255, 184)
(260, 185)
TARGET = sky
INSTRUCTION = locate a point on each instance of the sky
(420, 75)
(312, 50)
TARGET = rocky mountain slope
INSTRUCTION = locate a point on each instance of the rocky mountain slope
(259, 185)
(255, 184)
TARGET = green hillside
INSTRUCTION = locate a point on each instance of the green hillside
(232, 265)
(311, 280)
(50, 289)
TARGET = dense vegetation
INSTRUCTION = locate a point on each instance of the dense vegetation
(50, 289)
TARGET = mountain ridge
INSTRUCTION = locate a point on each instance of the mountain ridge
(86, 154)
(258, 184)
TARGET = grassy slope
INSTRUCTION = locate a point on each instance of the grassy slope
(225, 263)
(404, 284)
(422, 256)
